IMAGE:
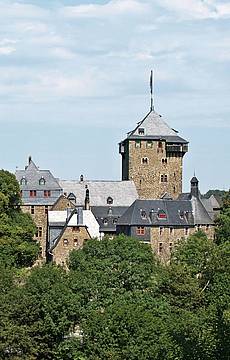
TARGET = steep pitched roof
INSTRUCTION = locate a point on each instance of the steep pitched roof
(32, 174)
(123, 193)
(154, 127)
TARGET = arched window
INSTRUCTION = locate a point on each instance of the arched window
(145, 160)
(109, 200)
(42, 181)
(23, 181)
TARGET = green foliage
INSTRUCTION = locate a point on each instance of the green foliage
(117, 301)
(9, 190)
(17, 247)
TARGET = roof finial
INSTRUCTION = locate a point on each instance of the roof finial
(151, 90)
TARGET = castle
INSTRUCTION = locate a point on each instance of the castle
(147, 203)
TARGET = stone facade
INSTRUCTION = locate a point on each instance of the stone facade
(153, 170)
(72, 238)
(163, 239)
(62, 204)
(39, 214)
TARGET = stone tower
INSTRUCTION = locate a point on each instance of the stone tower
(152, 156)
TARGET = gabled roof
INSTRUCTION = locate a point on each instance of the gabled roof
(33, 174)
(123, 193)
(154, 127)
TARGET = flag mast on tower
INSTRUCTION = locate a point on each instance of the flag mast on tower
(151, 91)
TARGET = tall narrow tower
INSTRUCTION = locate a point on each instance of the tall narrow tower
(152, 156)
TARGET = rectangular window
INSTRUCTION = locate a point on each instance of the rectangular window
(140, 230)
(164, 178)
(32, 210)
(46, 209)
(33, 193)
(39, 231)
(137, 143)
(47, 193)
(170, 230)
(161, 230)
(65, 242)
(160, 248)
(170, 247)
(186, 231)
(149, 144)
(75, 242)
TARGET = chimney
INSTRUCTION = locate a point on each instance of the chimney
(87, 200)
(194, 187)
(80, 216)
(29, 160)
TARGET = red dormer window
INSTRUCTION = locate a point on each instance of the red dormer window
(47, 193)
(161, 214)
(33, 193)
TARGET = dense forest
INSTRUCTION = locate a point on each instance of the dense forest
(116, 301)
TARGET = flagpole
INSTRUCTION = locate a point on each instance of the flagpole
(151, 91)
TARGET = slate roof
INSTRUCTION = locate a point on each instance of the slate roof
(178, 213)
(123, 193)
(155, 128)
(33, 174)
(211, 204)
(108, 216)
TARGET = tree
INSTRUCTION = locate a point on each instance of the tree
(17, 247)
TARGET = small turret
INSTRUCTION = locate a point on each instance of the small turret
(194, 187)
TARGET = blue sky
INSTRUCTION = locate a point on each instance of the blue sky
(74, 78)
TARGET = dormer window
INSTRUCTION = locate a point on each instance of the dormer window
(42, 181)
(105, 222)
(141, 131)
(23, 181)
(109, 200)
(181, 214)
(143, 214)
(161, 215)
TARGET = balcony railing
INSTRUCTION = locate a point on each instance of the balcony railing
(177, 148)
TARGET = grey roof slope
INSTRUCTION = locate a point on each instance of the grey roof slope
(211, 204)
(172, 208)
(111, 214)
(155, 127)
(33, 174)
(201, 215)
(178, 213)
(123, 193)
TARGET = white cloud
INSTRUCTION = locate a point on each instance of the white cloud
(6, 50)
(16, 10)
(111, 8)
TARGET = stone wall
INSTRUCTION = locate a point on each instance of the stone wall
(164, 239)
(147, 163)
(71, 239)
(62, 204)
(39, 215)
